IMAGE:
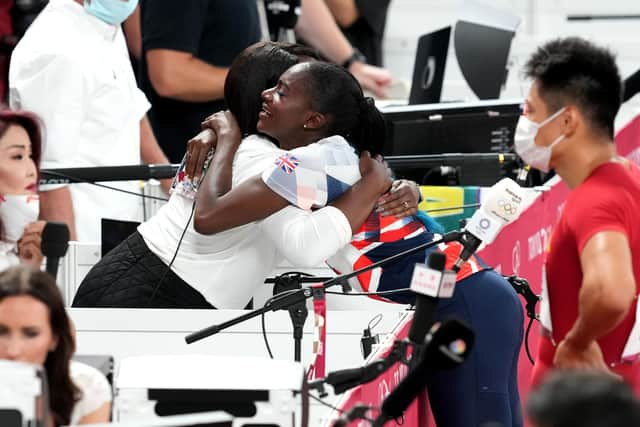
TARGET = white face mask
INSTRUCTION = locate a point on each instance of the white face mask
(16, 212)
(534, 155)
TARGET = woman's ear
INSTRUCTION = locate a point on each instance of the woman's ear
(315, 121)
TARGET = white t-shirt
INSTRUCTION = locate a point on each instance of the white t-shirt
(73, 71)
(227, 267)
(94, 387)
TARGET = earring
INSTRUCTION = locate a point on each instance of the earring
(304, 126)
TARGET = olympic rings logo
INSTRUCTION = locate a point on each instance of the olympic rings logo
(507, 207)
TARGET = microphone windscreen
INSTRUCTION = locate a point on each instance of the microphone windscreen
(55, 239)
(436, 261)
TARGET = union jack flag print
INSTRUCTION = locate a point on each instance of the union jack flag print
(287, 163)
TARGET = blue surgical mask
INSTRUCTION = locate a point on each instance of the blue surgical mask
(112, 12)
(536, 156)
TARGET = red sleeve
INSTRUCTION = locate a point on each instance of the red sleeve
(598, 209)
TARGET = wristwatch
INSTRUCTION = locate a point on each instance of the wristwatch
(355, 56)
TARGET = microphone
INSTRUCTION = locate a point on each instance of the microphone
(107, 173)
(426, 285)
(502, 205)
(448, 344)
(55, 242)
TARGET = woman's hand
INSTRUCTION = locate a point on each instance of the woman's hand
(225, 126)
(198, 149)
(402, 200)
(375, 171)
(29, 245)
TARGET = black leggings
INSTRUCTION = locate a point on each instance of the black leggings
(484, 389)
(130, 275)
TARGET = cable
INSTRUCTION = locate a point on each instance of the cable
(452, 208)
(144, 196)
(526, 341)
(328, 405)
(264, 336)
(175, 254)
(381, 293)
(262, 317)
(377, 318)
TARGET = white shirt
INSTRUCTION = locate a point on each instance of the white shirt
(227, 267)
(94, 387)
(73, 71)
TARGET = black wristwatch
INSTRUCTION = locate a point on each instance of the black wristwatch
(355, 56)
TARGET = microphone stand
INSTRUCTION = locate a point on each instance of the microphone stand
(288, 299)
(298, 311)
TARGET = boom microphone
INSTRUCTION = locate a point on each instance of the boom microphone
(447, 347)
(502, 205)
(426, 284)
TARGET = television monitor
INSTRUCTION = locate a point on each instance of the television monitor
(482, 52)
(485, 127)
(428, 69)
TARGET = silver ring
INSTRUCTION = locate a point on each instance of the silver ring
(405, 204)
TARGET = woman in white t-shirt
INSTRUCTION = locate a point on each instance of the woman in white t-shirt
(35, 328)
(167, 263)
(20, 231)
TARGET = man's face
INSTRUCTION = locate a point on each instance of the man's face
(536, 110)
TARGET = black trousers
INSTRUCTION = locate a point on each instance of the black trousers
(131, 276)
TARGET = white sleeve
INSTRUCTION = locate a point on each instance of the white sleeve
(306, 238)
(94, 387)
(55, 89)
(300, 176)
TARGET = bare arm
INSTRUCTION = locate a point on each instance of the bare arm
(56, 205)
(100, 415)
(607, 292)
(150, 151)
(344, 11)
(180, 75)
(254, 200)
(317, 26)
(132, 33)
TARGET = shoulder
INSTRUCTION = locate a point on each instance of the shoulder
(94, 387)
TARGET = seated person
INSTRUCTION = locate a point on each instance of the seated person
(35, 328)
(301, 109)
(167, 263)
(20, 231)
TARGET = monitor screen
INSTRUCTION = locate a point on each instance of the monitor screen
(476, 127)
(482, 54)
(428, 70)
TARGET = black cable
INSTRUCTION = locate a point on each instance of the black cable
(264, 336)
(377, 318)
(328, 405)
(62, 175)
(526, 341)
(453, 208)
(264, 327)
(175, 254)
(381, 293)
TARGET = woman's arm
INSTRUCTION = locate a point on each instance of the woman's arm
(100, 415)
(218, 208)
(254, 200)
